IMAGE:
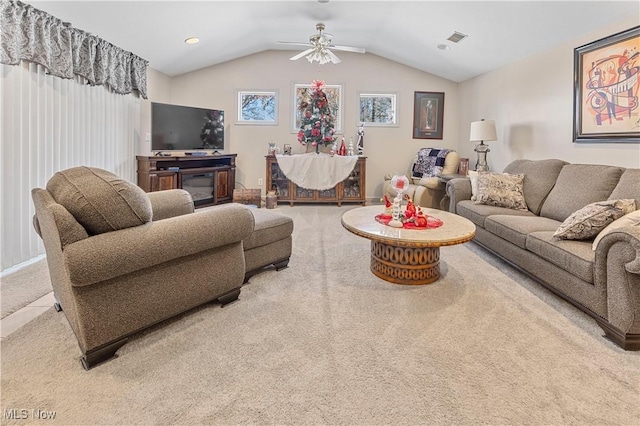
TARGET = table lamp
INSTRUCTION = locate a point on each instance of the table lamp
(482, 131)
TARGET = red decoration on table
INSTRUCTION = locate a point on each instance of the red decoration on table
(419, 221)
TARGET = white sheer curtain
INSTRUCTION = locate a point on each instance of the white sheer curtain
(50, 124)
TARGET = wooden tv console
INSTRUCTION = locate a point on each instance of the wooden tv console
(210, 179)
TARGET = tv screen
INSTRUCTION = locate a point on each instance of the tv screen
(176, 127)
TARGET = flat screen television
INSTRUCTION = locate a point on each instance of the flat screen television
(184, 128)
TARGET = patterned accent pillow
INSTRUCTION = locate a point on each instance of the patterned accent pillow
(501, 190)
(591, 219)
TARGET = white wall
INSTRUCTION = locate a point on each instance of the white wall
(532, 104)
(389, 149)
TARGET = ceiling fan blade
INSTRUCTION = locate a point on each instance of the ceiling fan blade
(295, 43)
(348, 48)
(334, 58)
(301, 54)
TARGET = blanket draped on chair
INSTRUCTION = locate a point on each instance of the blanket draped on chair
(429, 162)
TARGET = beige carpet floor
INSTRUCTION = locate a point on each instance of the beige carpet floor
(326, 342)
(24, 286)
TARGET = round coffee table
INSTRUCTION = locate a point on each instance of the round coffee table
(407, 256)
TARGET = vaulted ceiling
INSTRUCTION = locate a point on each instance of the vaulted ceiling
(408, 32)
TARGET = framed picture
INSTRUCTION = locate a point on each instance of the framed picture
(378, 109)
(605, 104)
(428, 115)
(258, 107)
(463, 168)
(302, 92)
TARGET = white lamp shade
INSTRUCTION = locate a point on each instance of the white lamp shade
(484, 130)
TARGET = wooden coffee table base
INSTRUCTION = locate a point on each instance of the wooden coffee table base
(405, 265)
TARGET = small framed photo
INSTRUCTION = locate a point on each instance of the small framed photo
(463, 168)
(258, 107)
(287, 149)
(378, 109)
(428, 115)
(606, 88)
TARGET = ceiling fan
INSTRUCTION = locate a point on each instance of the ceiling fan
(321, 48)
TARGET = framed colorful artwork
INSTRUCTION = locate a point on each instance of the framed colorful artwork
(605, 105)
(428, 115)
(258, 107)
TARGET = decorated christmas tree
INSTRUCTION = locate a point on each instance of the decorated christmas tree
(317, 121)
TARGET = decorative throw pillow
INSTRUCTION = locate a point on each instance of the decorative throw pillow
(501, 190)
(591, 219)
(473, 177)
(99, 200)
(630, 219)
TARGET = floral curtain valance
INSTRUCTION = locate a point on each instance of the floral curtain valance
(29, 34)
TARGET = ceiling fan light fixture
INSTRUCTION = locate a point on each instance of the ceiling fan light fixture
(322, 56)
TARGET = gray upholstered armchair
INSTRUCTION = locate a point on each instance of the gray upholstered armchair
(426, 191)
(121, 260)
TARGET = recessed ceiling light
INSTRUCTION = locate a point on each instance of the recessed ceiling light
(192, 40)
(323, 1)
(443, 47)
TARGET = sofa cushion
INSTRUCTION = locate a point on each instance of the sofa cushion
(99, 200)
(516, 228)
(628, 186)
(575, 257)
(578, 185)
(539, 178)
(501, 190)
(269, 227)
(473, 177)
(630, 219)
(477, 213)
(587, 222)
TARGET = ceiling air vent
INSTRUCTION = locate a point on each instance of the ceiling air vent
(457, 37)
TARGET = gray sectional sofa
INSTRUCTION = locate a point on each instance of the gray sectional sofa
(605, 282)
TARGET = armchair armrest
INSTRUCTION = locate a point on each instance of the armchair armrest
(121, 252)
(389, 176)
(458, 189)
(170, 203)
(617, 268)
(431, 183)
(628, 235)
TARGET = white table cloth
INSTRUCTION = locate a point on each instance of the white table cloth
(316, 171)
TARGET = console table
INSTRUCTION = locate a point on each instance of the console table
(350, 190)
(209, 179)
